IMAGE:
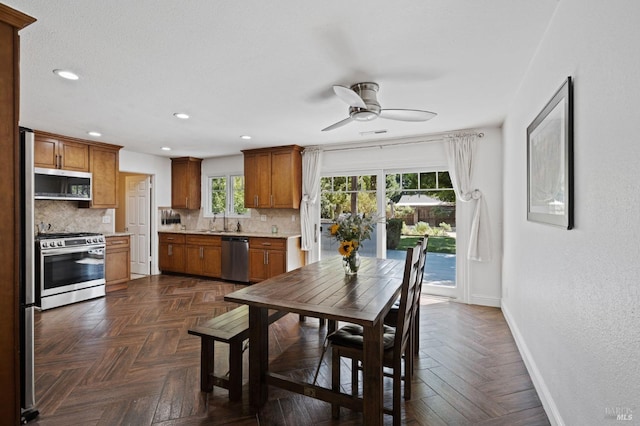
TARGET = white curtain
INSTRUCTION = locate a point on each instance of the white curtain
(460, 152)
(311, 160)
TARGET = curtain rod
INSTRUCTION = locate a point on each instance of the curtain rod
(382, 145)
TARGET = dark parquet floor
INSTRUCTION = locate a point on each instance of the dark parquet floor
(126, 359)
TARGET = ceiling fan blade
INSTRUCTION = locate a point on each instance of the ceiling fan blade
(349, 96)
(338, 124)
(407, 114)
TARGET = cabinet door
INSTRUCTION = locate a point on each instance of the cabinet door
(286, 188)
(116, 266)
(45, 152)
(178, 255)
(276, 263)
(117, 261)
(179, 176)
(257, 180)
(250, 181)
(257, 267)
(193, 261)
(212, 261)
(185, 183)
(172, 257)
(164, 261)
(104, 166)
(73, 156)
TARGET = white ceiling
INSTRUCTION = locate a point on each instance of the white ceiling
(265, 68)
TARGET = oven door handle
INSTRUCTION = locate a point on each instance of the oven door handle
(67, 250)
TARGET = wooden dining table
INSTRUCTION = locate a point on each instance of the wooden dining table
(322, 290)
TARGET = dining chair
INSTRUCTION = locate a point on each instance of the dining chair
(348, 342)
(392, 317)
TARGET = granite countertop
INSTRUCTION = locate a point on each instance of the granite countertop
(234, 234)
(117, 234)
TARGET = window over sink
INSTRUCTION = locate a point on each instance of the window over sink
(225, 196)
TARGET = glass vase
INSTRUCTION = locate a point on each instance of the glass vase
(351, 263)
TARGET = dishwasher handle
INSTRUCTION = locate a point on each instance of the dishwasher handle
(230, 238)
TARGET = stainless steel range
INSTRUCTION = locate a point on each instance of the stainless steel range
(69, 268)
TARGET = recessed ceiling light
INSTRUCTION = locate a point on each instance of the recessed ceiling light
(69, 75)
(245, 137)
(181, 115)
(166, 148)
(94, 134)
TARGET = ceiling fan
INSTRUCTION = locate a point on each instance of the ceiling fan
(363, 106)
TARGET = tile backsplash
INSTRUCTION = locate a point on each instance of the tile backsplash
(65, 216)
(286, 220)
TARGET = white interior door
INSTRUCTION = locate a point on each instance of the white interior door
(137, 213)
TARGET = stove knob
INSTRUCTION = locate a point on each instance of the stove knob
(59, 243)
(95, 240)
(88, 241)
(52, 244)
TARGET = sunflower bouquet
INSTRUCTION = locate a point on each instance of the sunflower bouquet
(350, 231)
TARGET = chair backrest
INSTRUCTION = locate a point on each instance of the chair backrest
(407, 296)
(423, 260)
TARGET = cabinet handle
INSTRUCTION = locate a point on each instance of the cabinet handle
(271, 200)
(201, 252)
(255, 201)
(267, 257)
(266, 244)
(117, 242)
(170, 251)
(186, 201)
(315, 232)
(264, 257)
(170, 238)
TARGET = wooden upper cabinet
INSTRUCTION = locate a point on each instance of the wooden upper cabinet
(53, 152)
(273, 177)
(257, 182)
(185, 183)
(104, 166)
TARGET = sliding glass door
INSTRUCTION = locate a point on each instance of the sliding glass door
(342, 195)
(414, 202)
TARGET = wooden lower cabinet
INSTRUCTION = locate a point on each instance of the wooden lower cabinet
(267, 258)
(197, 254)
(117, 264)
(203, 255)
(171, 251)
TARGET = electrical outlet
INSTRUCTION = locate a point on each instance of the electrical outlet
(263, 218)
(106, 219)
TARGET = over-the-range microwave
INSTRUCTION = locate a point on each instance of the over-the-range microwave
(56, 184)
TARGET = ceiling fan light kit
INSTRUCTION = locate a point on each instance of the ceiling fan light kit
(364, 106)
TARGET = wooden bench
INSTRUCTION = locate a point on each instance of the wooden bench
(232, 328)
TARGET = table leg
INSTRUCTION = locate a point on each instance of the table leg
(372, 375)
(258, 356)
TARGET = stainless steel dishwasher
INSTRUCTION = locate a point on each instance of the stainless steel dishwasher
(235, 258)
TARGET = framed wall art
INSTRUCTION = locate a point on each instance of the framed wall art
(550, 161)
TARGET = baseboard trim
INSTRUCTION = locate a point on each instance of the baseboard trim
(548, 403)
(485, 301)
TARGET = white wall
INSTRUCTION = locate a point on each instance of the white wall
(160, 170)
(572, 298)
